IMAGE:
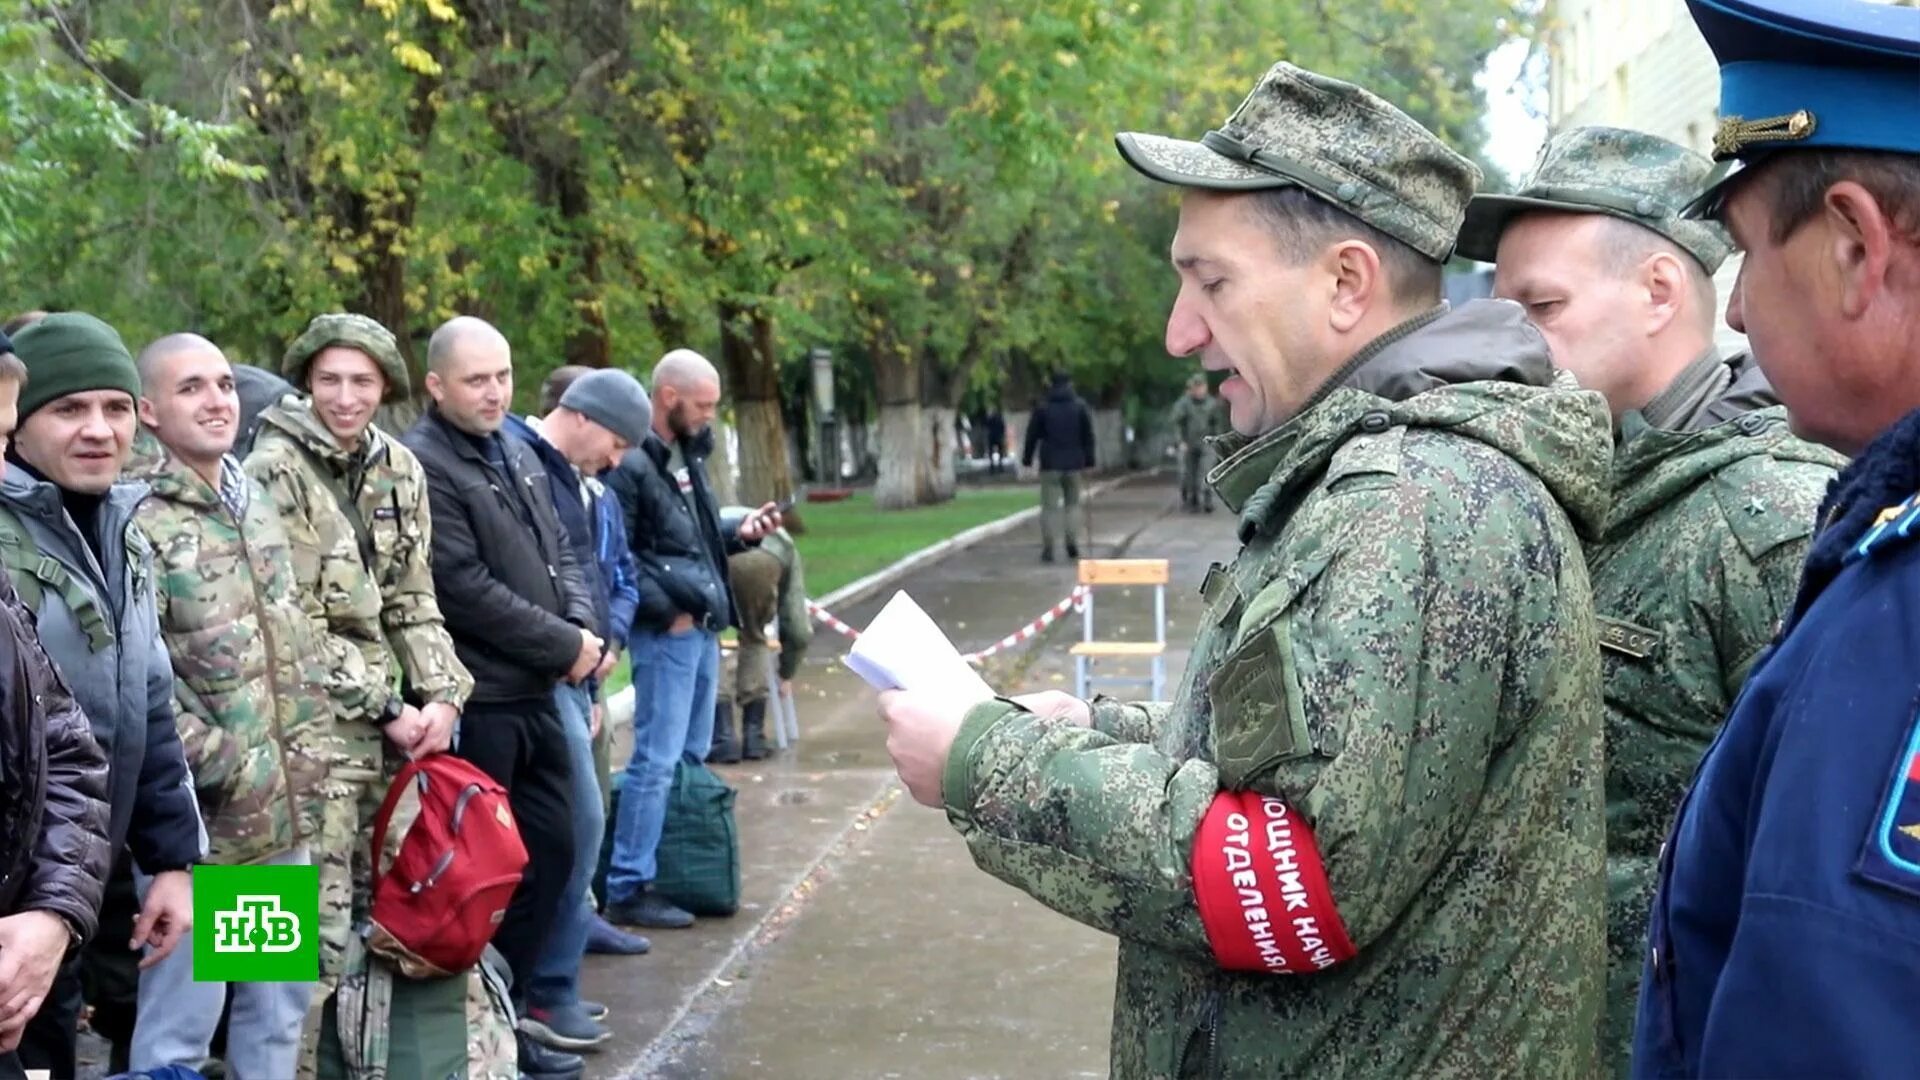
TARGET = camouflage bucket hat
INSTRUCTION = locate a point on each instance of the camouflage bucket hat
(355, 332)
(1602, 170)
(1331, 138)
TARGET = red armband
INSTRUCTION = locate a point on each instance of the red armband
(1261, 889)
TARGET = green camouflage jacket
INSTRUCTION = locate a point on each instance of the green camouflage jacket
(249, 689)
(1404, 652)
(1195, 421)
(1699, 559)
(375, 600)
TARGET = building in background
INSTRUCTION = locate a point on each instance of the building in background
(1638, 64)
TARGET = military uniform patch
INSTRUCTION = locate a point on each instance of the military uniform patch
(1891, 856)
(1631, 639)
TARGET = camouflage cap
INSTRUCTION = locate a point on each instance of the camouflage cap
(355, 332)
(1604, 170)
(1331, 138)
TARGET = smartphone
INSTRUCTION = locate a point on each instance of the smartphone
(783, 505)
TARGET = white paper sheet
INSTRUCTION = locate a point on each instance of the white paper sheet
(903, 649)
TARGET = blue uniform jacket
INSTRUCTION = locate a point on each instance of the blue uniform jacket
(1785, 936)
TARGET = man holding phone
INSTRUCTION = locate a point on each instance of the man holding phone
(681, 552)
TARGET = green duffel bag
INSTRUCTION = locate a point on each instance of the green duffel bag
(699, 853)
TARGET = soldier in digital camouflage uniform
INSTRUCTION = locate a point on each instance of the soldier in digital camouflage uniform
(1365, 839)
(249, 690)
(1196, 417)
(769, 586)
(354, 502)
(1714, 500)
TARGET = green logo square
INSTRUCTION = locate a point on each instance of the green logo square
(256, 923)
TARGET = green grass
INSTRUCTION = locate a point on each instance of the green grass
(847, 540)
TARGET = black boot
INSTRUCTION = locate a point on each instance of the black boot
(725, 750)
(753, 730)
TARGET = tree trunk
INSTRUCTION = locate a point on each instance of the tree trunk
(1110, 438)
(720, 466)
(753, 383)
(903, 482)
(940, 451)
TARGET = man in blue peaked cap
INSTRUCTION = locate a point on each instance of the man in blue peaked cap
(1785, 936)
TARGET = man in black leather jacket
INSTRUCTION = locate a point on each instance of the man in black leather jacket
(681, 553)
(518, 608)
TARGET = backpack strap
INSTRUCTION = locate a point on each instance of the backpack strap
(351, 509)
(34, 572)
(410, 773)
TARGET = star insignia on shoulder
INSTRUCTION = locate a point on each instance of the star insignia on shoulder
(1756, 506)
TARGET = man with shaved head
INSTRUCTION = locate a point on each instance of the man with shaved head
(521, 613)
(681, 551)
(253, 710)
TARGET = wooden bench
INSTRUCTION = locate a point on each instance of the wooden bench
(1107, 573)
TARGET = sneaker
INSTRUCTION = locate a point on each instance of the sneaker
(648, 909)
(606, 939)
(563, 1028)
(539, 1063)
(595, 1010)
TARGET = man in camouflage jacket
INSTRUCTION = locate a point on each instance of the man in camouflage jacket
(1714, 500)
(354, 501)
(1195, 418)
(1365, 837)
(249, 691)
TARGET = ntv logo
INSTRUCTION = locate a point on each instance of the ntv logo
(256, 925)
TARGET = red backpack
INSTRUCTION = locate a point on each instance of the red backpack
(436, 908)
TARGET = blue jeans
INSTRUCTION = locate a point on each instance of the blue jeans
(556, 975)
(675, 677)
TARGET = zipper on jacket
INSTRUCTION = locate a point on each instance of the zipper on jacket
(1213, 1034)
(273, 678)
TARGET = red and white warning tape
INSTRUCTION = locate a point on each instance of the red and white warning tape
(1018, 637)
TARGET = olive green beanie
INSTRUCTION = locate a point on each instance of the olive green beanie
(71, 352)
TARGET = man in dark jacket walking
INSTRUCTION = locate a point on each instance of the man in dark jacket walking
(1061, 432)
(681, 552)
(53, 802)
(519, 611)
(68, 540)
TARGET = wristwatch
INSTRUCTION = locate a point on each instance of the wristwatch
(390, 711)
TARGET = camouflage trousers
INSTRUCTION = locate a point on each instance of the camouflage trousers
(743, 672)
(1194, 491)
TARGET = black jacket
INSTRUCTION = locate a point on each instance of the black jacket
(682, 558)
(513, 595)
(1062, 431)
(53, 784)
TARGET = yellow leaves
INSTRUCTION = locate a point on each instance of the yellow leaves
(416, 59)
(343, 263)
(389, 8)
(442, 11)
(1065, 58)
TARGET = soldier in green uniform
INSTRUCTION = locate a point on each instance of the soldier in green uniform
(354, 501)
(1196, 417)
(769, 587)
(1714, 500)
(1365, 839)
(249, 691)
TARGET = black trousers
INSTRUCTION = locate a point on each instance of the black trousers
(523, 745)
(104, 972)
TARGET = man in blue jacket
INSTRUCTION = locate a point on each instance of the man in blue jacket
(596, 416)
(1060, 433)
(1785, 936)
(681, 552)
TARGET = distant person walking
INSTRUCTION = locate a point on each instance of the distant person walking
(1061, 431)
(1197, 417)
